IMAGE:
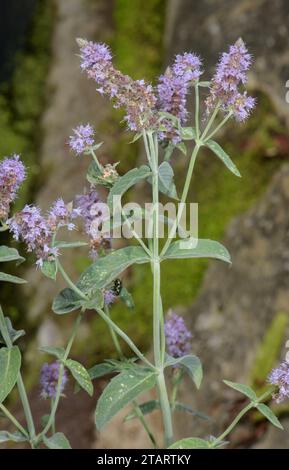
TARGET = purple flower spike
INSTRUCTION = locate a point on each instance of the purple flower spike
(178, 337)
(280, 377)
(173, 89)
(135, 96)
(49, 379)
(82, 139)
(230, 74)
(61, 216)
(12, 175)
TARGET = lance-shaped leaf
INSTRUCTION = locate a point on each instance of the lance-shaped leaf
(14, 334)
(9, 254)
(200, 248)
(81, 375)
(222, 155)
(57, 441)
(64, 245)
(66, 301)
(127, 181)
(188, 133)
(152, 405)
(120, 391)
(107, 268)
(100, 370)
(190, 364)
(268, 413)
(4, 277)
(49, 269)
(6, 436)
(191, 443)
(166, 180)
(10, 362)
(57, 352)
(248, 391)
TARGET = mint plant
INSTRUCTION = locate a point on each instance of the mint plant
(158, 115)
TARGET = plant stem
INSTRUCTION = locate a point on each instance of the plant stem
(13, 420)
(218, 127)
(157, 304)
(99, 166)
(136, 408)
(240, 415)
(210, 122)
(51, 419)
(197, 110)
(20, 384)
(70, 282)
(140, 241)
(183, 200)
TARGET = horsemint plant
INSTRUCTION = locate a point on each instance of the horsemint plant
(159, 116)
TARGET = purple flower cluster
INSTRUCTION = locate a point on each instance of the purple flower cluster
(93, 212)
(49, 379)
(135, 96)
(109, 297)
(173, 89)
(178, 337)
(82, 139)
(12, 175)
(36, 231)
(230, 74)
(280, 377)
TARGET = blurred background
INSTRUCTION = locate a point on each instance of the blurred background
(239, 315)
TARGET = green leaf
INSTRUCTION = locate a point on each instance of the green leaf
(9, 254)
(217, 149)
(248, 391)
(81, 375)
(107, 268)
(169, 151)
(146, 408)
(63, 244)
(44, 420)
(57, 352)
(14, 334)
(57, 441)
(188, 409)
(191, 443)
(49, 269)
(166, 180)
(99, 370)
(6, 436)
(10, 363)
(203, 249)
(14, 279)
(120, 391)
(127, 181)
(127, 298)
(188, 133)
(182, 147)
(268, 413)
(66, 301)
(190, 364)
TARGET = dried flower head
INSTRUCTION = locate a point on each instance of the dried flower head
(178, 337)
(12, 175)
(49, 379)
(280, 377)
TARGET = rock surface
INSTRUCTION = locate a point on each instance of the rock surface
(237, 304)
(208, 27)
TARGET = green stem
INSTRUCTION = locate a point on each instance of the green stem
(241, 414)
(136, 408)
(13, 420)
(210, 122)
(176, 383)
(197, 110)
(99, 166)
(157, 304)
(143, 245)
(53, 422)
(183, 200)
(218, 127)
(51, 419)
(20, 384)
(70, 282)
